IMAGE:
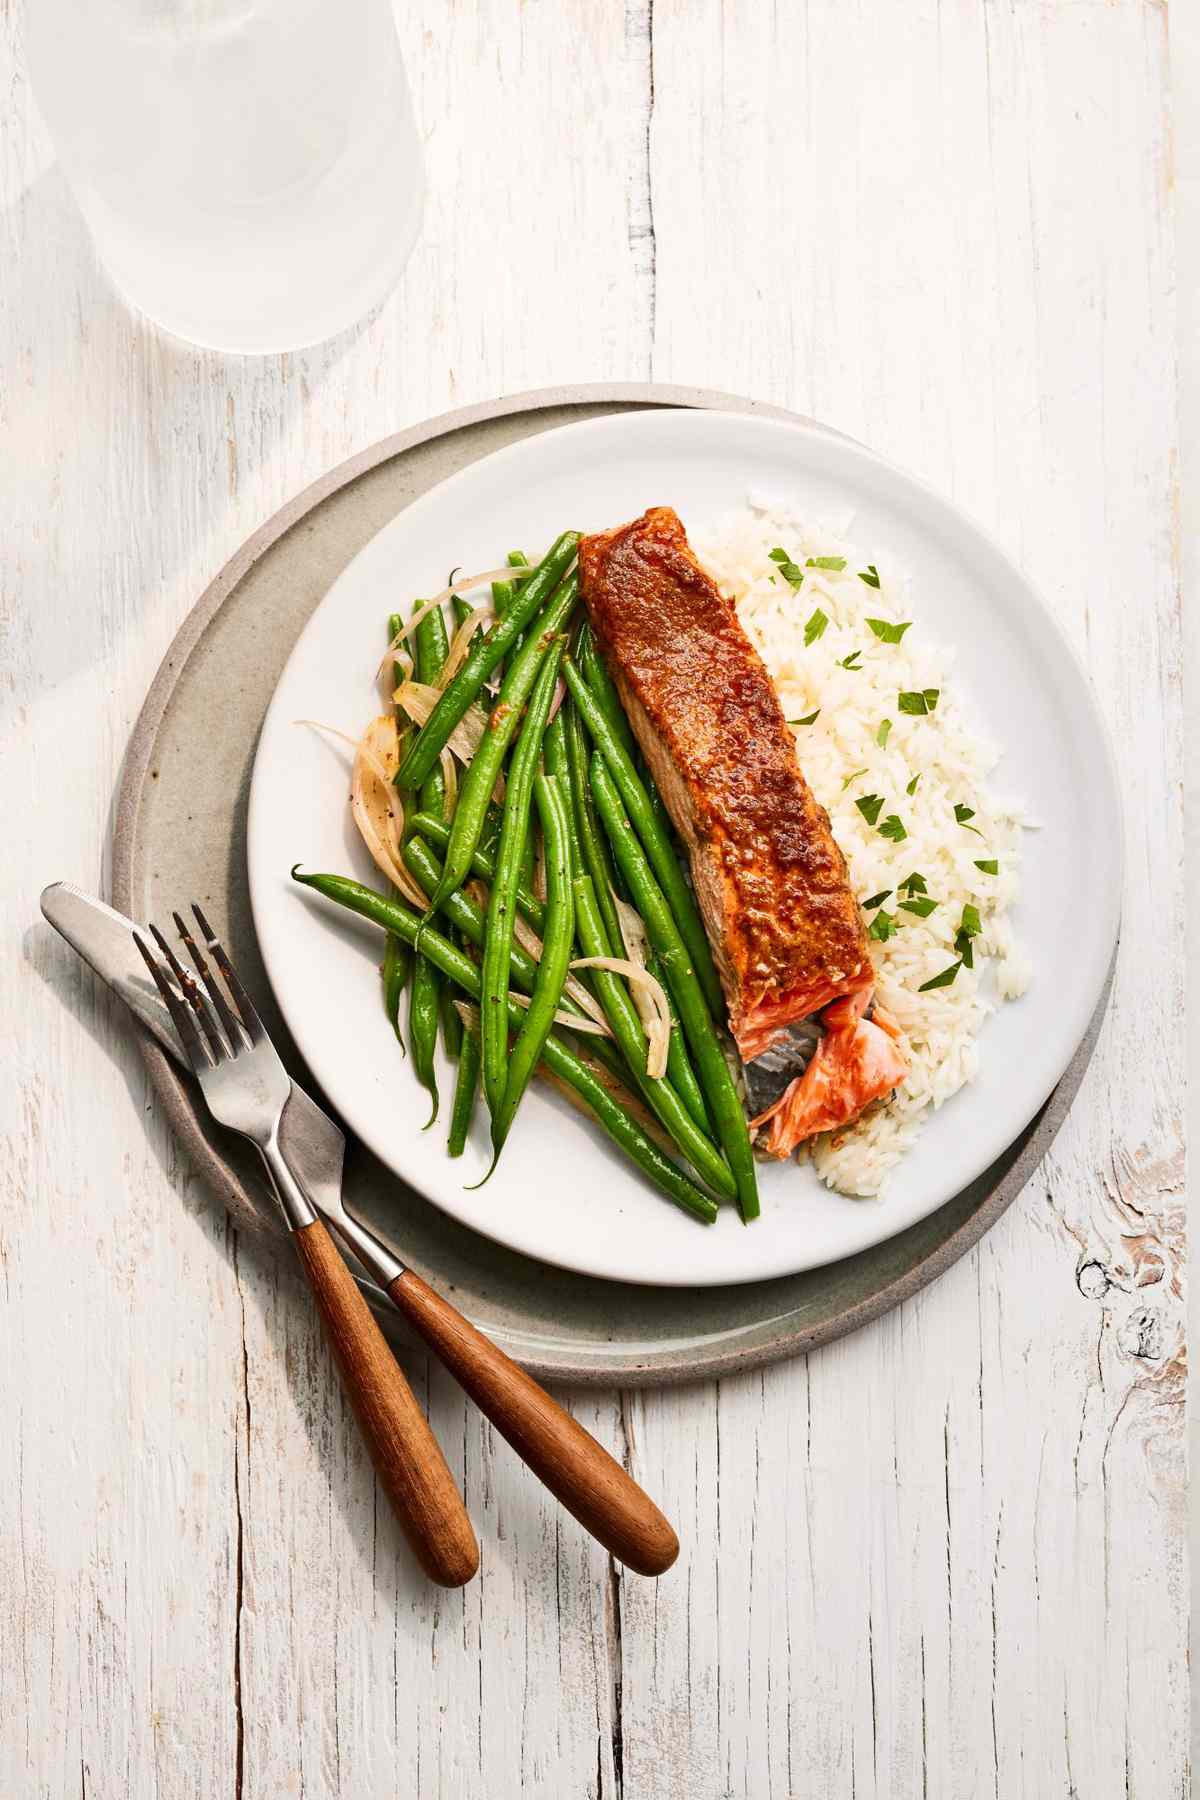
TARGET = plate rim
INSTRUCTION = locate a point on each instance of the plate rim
(674, 1365)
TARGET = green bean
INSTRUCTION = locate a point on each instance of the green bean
(485, 653)
(466, 1087)
(650, 828)
(679, 1066)
(630, 1034)
(621, 1127)
(663, 932)
(483, 864)
(595, 672)
(431, 647)
(556, 956)
(397, 960)
(593, 845)
(484, 767)
(423, 1028)
(504, 591)
(502, 901)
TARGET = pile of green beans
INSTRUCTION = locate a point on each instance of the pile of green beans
(620, 1125)
(561, 769)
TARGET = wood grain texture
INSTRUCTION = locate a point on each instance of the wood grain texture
(943, 1557)
(589, 1482)
(408, 1459)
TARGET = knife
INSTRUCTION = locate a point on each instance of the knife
(313, 1145)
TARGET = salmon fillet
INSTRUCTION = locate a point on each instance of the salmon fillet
(785, 929)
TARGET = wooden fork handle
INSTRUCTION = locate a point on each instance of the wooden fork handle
(568, 1459)
(405, 1452)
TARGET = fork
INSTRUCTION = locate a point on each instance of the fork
(246, 1085)
(246, 1088)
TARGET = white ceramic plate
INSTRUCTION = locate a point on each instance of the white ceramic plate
(561, 1192)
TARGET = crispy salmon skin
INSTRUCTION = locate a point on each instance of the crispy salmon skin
(772, 885)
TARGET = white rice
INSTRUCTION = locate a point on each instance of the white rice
(843, 762)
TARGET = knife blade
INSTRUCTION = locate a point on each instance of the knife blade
(313, 1145)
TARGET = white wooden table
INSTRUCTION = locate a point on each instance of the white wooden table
(943, 1557)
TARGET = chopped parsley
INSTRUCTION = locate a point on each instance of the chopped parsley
(808, 719)
(790, 571)
(911, 789)
(882, 927)
(888, 633)
(871, 576)
(851, 662)
(942, 980)
(870, 806)
(893, 828)
(969, 928)
(815, 627)
(918, 700)
(853, 777)
(962, 814)
(922, 908)
(836, 563)
(989, 867)
(881, 736)
(914, 884)
(875, 900)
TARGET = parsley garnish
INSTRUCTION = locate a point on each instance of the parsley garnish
(851, 662)
(914, 884)
(871, 576)
(918, 701)
(912, 786)
(875, 900)
(815, 627)
(870, 806)
(989, 867)
(882, 927)
(942, 980)
(826, 562)
(851, 778)
(807, 720)
(881, 736)
(962, 814)
(892, 828)
(890, 634)
(922, 908)
(969, 927)
(787, 568)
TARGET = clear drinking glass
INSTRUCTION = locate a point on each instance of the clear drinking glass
(250, 169)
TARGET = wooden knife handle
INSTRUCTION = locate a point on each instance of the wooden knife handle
(568, 1459)
(407, 1456)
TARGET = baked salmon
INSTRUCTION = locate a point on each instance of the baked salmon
(772, 886)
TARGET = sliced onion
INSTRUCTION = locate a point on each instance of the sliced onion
(633, 931)
(462, 586)
(457, 652)
(418, 699)
(658, 1026)
(374, 802)
(572, 1021)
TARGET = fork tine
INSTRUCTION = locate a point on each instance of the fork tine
(241, 998)
(193, 1045)
(212, 987)
(191, 994)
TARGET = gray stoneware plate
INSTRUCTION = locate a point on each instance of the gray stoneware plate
(177, 839)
